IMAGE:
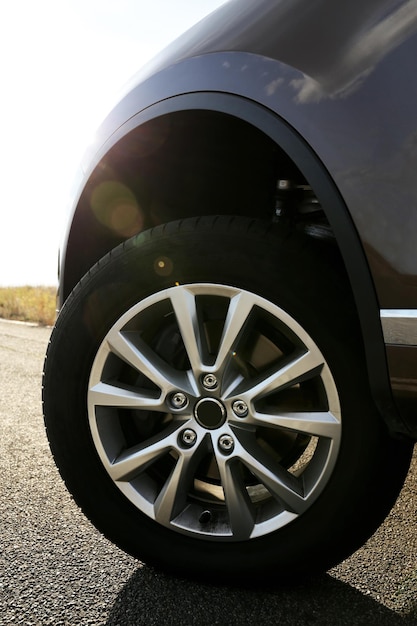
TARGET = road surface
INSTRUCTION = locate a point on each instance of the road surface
(55, 568)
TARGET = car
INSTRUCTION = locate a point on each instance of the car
(230, 388)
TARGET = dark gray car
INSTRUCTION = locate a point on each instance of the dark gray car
(230, 388)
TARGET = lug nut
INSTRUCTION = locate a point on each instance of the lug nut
(209, 381)
(226, 443)
(188, 437)
(178, 400)
(240, 408)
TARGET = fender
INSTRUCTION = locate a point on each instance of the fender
(316, 103)
(328, 195)
(367, 150)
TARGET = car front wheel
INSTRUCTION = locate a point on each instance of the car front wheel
(206, 402)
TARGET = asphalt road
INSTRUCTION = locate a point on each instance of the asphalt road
(56, 569)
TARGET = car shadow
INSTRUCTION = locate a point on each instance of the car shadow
(150, 597)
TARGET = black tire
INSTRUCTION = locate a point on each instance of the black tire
(307, 467)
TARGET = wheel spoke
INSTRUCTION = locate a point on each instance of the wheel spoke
(319, 424)
(104, 394)
(282, 485)
(184, 305)
(301, 368)
(238, 503)
(173, 497)
(237, 315)
(134, 461)
(145, 361)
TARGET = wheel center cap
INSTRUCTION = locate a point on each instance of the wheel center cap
(210, 413)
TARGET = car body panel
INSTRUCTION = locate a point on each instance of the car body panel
(329, 104)
(340, 76)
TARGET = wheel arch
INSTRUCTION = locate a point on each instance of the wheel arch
(83, 247)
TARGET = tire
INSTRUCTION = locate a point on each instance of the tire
(206, 402)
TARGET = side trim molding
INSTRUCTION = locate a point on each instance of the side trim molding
(399, 326)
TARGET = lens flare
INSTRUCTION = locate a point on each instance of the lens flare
(163, 266)
(116, 207)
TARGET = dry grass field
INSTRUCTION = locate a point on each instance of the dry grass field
(28, 304)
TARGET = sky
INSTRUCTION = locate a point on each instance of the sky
(62, 64)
